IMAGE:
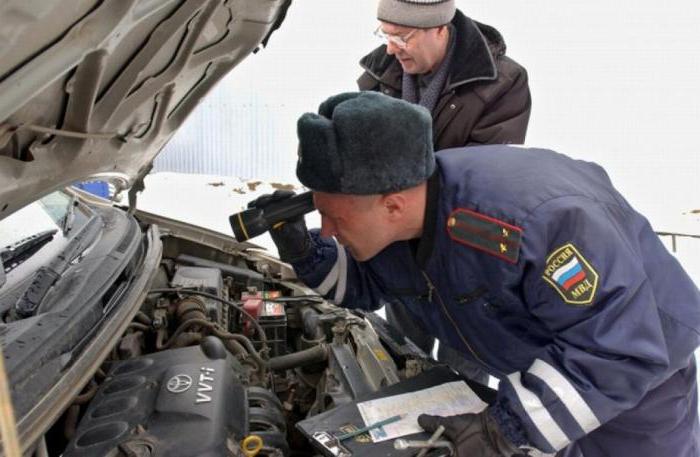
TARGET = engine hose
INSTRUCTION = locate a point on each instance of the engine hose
(187, 339)
(312, 329)
(216, 331)
(160, 338)
(309, 356)
(190, 308)
(70, 424)
(242, 339)
(250, 349)
(184, 326)
(143, 318)
(253, 321)
(235, 348)
(139, 326)
(87, 395)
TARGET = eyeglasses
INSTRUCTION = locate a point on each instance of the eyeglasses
(401, 41)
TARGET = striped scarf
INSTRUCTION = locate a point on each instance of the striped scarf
(410, 90)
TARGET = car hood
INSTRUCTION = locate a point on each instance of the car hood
(97, 87)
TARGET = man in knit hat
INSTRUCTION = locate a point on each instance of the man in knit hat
(456, 68)
(524, 261)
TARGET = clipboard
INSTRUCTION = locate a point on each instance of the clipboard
(318, 429)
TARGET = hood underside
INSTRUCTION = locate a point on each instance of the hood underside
(90, 88)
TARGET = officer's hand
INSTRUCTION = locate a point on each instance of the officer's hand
(290, 237)
(473, 435)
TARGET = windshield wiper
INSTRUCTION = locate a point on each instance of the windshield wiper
(46, 277)
(3, 278)
(66, 222)
(21, 250)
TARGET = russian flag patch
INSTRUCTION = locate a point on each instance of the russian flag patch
(571, 275)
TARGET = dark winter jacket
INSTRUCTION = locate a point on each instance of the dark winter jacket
(486, 99)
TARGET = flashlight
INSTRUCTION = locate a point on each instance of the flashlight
(255, 221)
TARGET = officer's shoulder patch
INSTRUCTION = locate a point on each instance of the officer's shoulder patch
(485, 233)
(571, 275)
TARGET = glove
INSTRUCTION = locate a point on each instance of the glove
(473, 435)
(291, 237)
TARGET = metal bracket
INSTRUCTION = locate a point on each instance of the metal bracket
(138, 186)
(331, 444)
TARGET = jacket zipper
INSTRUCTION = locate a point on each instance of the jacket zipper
(445, 98)
(431, 289)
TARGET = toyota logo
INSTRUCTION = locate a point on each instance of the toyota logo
(179, 383)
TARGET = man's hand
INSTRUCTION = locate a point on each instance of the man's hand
(290, 237)
(473, 435)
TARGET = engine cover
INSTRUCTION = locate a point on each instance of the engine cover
(181, 402)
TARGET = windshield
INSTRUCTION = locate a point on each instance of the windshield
(39, 230)
(44, 214)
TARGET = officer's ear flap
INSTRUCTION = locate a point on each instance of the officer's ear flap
(318, 166)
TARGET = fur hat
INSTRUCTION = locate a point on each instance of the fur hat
(365, 143)
(422, 14)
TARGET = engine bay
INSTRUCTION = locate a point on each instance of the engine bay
(223, 349)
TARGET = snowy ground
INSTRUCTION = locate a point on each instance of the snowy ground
(208, 201)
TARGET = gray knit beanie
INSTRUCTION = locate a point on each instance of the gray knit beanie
(422, 14)
(365, 143)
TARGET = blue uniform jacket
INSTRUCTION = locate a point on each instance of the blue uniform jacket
(533, 265)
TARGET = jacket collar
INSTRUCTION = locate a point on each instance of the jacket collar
(472, 61)
(425, 243)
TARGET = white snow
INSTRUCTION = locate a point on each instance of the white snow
(208, 201)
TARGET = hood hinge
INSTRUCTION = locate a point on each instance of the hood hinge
(138, 186)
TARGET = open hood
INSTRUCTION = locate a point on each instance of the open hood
(97, 87)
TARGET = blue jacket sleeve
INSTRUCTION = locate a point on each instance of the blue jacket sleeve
(334, 274)
(584, 278)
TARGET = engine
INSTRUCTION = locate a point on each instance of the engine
(180, 402)
(223, 351)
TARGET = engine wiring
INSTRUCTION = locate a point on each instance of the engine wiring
(184, 290)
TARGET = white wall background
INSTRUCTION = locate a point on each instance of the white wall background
(617, 83)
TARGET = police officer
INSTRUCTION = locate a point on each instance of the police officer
(525, 261)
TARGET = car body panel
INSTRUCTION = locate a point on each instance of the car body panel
(99, 91)
(93, 89)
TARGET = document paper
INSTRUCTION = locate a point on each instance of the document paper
(443, 400)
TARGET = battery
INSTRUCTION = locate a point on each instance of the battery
(273, 320)
(271, 316)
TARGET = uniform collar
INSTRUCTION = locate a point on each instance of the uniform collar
(425, 243)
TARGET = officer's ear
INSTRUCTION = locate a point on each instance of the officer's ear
(394, 205)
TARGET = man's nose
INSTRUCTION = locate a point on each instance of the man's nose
(392, 48)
